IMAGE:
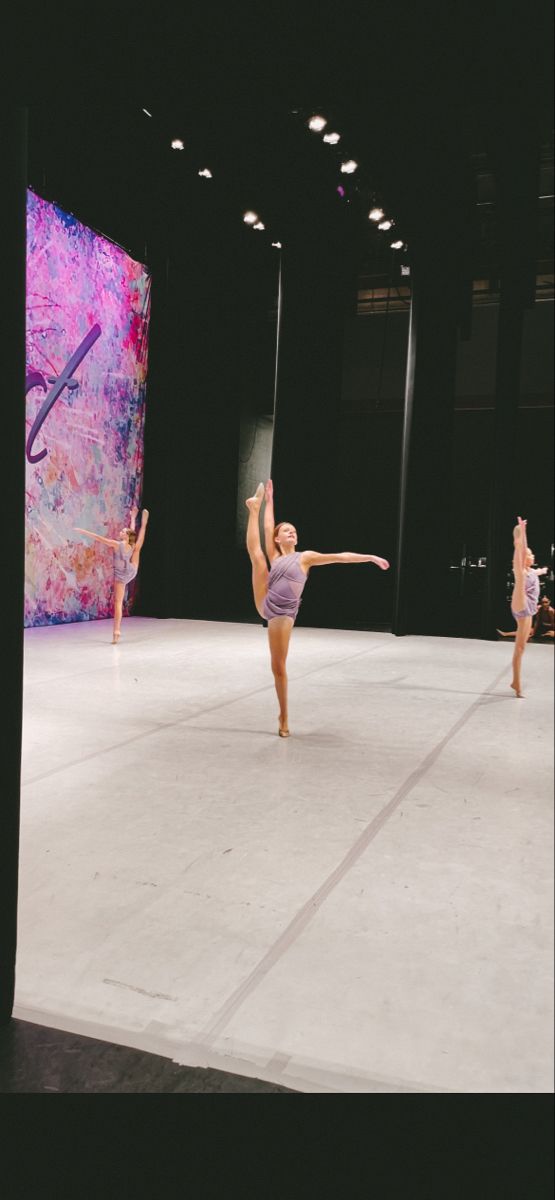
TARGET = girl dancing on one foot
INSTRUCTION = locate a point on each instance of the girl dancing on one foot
(524, 600)
(127, 552)
(278, 590)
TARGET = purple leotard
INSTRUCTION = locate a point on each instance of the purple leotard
(285, 584)
(532, 589)
(124, 570)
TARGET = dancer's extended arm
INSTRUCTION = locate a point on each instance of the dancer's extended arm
(98, 537)
(269, 522)
(311, 558)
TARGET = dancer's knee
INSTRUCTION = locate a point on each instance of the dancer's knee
(278, 668)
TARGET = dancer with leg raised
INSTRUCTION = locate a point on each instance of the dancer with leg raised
(278, 589)
(524, 600)
(127, 552)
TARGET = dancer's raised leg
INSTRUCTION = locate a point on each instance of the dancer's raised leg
(140, 538)
(279, 634)
(518, 599)
(256, 554)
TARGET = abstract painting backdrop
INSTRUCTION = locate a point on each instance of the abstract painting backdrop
(88, 306)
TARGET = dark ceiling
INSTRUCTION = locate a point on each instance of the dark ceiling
(432, 100)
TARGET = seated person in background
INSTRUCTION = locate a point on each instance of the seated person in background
(544, 620)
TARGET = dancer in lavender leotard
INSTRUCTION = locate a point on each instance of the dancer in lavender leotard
(127, 551)
(524, 600)
(278, 590)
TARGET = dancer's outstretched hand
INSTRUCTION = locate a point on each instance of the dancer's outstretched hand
(382, 563)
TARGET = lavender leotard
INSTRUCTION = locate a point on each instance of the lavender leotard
(532, 589)
(124, 570)
(285, 584)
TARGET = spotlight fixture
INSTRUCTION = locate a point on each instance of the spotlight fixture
(331, 138)
(145, 110)
(397, 245)
(250, 218)
(340, 190)
(376, 214)
(317, 123)
(385, 224)
(259, 225)
(405, 270)
(177, 144)
(347, 168)
(205, 173)
(277, 245)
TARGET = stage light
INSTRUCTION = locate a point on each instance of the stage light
(205, 173)
(385, 224)
(250, 218)
(331, 138)
(277, 245)
(405, 270)
(397, 245)
(259, 225)
(317, 123)
(340, 190)
(145, 110)
(349, 167)
(376, 214)
(177, 144)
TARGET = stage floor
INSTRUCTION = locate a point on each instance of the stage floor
(364, 907)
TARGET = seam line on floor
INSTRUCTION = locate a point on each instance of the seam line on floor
(311, 906)
(183, 720)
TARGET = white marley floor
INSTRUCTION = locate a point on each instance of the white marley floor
(365, 907)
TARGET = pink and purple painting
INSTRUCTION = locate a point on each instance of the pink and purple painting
(88, 307)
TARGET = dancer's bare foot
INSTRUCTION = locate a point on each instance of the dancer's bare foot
(116, 638)
(145, 515)
(518, 694)
(283, 727)
(254, 502)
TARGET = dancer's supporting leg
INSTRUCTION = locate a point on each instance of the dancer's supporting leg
(279, 634)
(256, 554)
(522, 635)
(119, 593)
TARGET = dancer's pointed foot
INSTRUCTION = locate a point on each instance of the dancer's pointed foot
(516, 691)
(283, 728)
(116, 638)
(255, 501)
(144, 516)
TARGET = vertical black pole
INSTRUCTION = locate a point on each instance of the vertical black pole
(13, 152)
(421, 603)
(517, 186)
(504, 476)
(400, 613)
(276, 371)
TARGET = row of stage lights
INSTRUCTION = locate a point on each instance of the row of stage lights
(317, 124)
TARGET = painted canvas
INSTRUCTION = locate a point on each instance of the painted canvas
(88, 308)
